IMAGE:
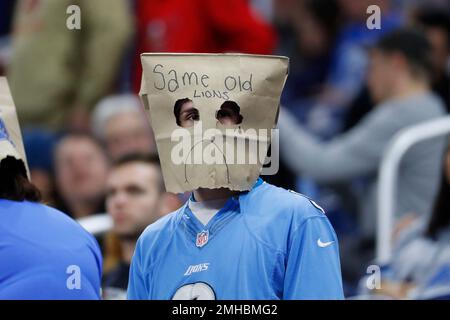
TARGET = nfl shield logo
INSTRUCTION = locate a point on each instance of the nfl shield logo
(202, 238)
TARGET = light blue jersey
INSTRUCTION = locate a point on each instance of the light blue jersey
(45, 255)
(267, 243)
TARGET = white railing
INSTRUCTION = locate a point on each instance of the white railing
(97, 224)
(387, 177)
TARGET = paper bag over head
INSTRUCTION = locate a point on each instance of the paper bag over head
(11, 143)
(212, 115)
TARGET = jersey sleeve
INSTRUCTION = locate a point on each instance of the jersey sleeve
(313, 269)
(136, 282)
(99, 263)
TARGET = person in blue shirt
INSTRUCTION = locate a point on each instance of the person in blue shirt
(266, 243)
(44, 254)
(263, 243)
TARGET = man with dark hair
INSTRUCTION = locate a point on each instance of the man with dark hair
(44, 254)
(399, 82)
(415, 48)
(135, 198)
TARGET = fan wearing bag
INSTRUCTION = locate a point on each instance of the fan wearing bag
(237, 237)
(44, 254)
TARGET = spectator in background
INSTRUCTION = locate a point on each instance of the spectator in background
(307, 38)
(332, 36)
(57, 74)
(349, 61)
(399, 81)
(120, 122)
(314, 24)
(420, 262)
(134, 199)
(436, 24)
(199, 26)
(81, 168)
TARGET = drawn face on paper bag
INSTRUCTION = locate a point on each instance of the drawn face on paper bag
(227, 115)
(212, 125)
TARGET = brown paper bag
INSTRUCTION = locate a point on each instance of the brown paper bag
(212, 115)
(11, 143)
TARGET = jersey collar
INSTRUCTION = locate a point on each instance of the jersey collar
(231, 208)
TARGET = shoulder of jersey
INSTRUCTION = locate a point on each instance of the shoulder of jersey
(164, 225)
(56, 215)
(272, 213)
(283, 200)
(67, 226)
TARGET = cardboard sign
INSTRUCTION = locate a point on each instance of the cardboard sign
(11, 143)
(212, 115)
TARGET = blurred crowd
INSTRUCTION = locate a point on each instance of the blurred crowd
(91, 150)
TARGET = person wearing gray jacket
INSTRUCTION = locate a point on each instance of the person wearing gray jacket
(399, 82)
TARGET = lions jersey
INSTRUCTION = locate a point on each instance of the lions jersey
(44, 255)
(267, 243)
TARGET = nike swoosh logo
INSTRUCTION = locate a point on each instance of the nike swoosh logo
(323, 244)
